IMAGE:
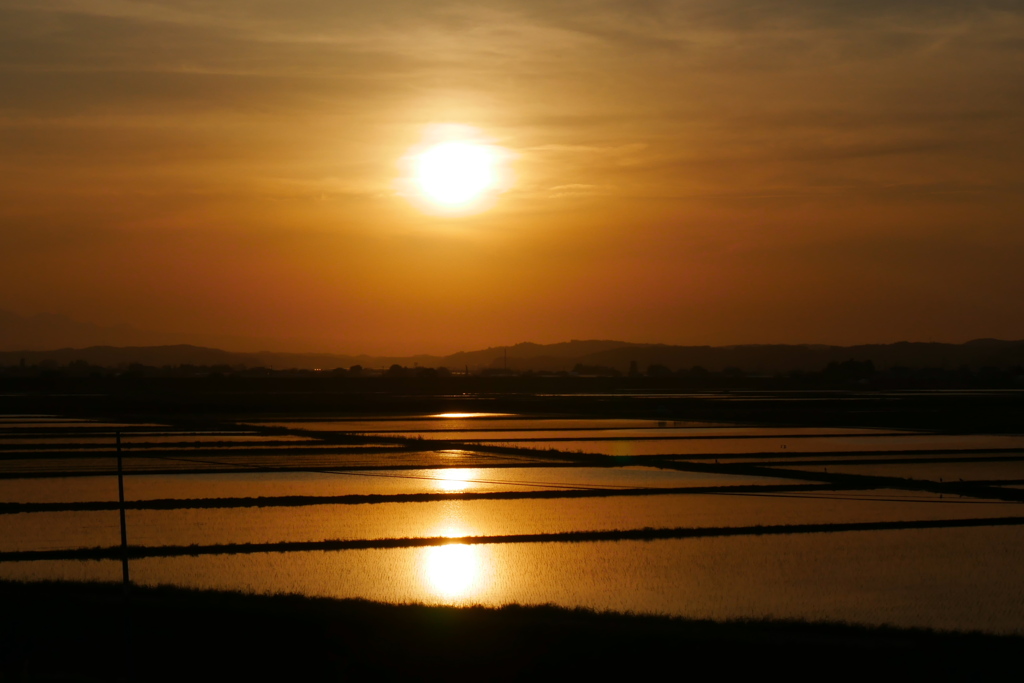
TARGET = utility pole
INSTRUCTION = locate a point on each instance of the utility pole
(127, 635)
(126, 579)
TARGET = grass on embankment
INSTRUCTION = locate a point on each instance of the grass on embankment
(66, 631)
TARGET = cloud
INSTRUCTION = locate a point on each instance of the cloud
(576, 190)
(745, 122)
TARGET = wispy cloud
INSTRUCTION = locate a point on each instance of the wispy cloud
(645, 126)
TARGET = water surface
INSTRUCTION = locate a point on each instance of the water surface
(655, 433)
(771, 446)
(956, 579)
(935, 471)
(454, 518)
(362, 482)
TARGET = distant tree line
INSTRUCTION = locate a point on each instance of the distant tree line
(851, 373)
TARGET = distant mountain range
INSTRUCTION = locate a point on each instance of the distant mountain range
(751, 358)
(51, 331)
(22, 336)
(766, 359)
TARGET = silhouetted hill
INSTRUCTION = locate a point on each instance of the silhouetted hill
(49, 331)
(530, 356)
(752, 358)
(786, 358)
(185, 354)
(758, 359)
(46, 332)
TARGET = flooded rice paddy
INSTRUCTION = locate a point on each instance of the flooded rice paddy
(772, 445)
(364, 482)
(1008, 470)
(457, 518)
(534, 510)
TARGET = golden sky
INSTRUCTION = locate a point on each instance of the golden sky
(802, 171)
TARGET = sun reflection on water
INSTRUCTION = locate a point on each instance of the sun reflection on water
(455, 453)
(457, 479)
(466, 416)
(453, 570)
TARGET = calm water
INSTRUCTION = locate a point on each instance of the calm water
(956, 578)
(136, 440)
(469, 423)
(453, 518)
(834, 444)
(321, 457)
(383, 482)
(934, 471)
(584, 434)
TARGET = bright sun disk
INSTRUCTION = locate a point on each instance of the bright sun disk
(456, 173)
(455, 170)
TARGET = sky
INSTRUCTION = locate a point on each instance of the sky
(683, 172)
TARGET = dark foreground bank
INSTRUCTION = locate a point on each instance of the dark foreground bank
(77, 632)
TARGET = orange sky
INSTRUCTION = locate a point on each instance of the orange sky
(685, 172)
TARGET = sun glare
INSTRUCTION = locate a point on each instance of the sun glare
(455, 171)
(452, 570)
(461, 416)
(456, 479)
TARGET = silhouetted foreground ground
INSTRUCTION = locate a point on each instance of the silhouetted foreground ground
(75, 632)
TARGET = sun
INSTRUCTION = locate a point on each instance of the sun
(457, 173)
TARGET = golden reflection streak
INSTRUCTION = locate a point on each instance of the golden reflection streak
(452, 571)
(461, 416)
(457, 480)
